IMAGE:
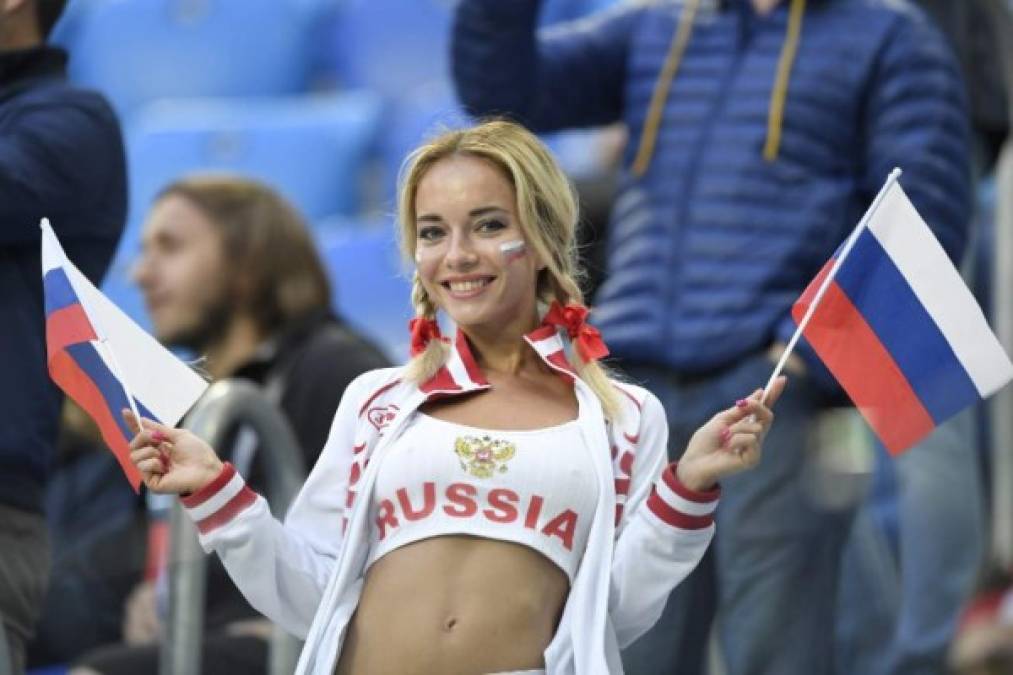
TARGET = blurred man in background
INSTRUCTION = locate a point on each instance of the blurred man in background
(760, 131)
(61, 157)
(229, 271)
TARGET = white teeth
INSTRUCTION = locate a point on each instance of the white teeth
(466, 286)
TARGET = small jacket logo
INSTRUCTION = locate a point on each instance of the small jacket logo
(381, 417)
(483, 457)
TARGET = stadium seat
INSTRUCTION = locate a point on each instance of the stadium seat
(138, 51)
(372, 287)
(312, 149)
(391, 46)
(426, 111)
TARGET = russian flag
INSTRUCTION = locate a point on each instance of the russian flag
(898, 327)
(82, 362)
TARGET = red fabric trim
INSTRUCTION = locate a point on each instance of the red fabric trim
(585, 338)
(626, 463)
(233, 508)
(667, 514)
(558, 359)
(375, 394)
(622, 486)
(671, 478)
(543, 332)
(211, 489)
(423, 331)
(442, 382)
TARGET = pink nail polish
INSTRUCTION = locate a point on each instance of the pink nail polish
(742, 403)
(158, 436)
(725, 436)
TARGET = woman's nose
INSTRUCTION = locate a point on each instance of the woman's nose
(462, 251)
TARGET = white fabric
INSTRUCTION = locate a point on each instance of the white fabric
(218, 500)
(535, 488)
(307, 574)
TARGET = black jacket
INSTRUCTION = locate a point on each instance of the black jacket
(61, 157)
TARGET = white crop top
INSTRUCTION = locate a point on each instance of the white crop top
(535, 488)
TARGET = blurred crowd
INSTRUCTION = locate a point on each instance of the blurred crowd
(231, 187)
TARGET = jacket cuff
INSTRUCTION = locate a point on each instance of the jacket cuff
(678, 506)
(220, 501)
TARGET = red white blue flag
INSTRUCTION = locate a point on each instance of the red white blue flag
(94, 350)
(898, 327)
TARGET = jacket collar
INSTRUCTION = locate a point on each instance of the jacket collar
(21, 65)
(462, 374)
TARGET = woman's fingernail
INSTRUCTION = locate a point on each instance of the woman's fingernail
(724, 436)
(742, 403)
(158, 436)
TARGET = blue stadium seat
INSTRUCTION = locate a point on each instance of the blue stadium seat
(136, 51)
(424, 112)
(391, 46)
(312, 149)
(372, 287)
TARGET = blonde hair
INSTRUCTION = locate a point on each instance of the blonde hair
(547, 210)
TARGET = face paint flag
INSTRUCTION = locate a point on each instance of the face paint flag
(512, 250)
(894, 322)
(104, 361)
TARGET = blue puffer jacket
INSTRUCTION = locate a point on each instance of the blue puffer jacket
(709, 248)
(61, 156)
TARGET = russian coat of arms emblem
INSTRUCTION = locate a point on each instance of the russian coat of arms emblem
(483, 456)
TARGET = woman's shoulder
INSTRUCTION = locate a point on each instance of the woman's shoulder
(375, 379)
(637, 402)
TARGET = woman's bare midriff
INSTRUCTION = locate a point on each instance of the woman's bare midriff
(455, 605)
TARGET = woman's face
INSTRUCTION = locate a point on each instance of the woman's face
(465, 211)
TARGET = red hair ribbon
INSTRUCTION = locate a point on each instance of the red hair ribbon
(586, 339)
(423, 330)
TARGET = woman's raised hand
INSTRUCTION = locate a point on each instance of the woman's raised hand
(171, 460)
(730, 442)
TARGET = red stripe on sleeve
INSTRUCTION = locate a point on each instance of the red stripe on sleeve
(671, 478)
(233, 508)
(667, 514)
(211, 489)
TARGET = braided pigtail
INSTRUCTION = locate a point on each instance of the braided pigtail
(429, 350)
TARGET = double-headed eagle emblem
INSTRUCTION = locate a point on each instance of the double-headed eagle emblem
(483, 457)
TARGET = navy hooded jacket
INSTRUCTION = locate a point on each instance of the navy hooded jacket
(61, 157)
(708, 249)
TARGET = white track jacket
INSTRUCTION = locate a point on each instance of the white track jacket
(648, 532)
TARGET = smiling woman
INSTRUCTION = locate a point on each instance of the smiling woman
(499, 504)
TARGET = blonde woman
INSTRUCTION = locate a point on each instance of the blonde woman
(499, 504)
